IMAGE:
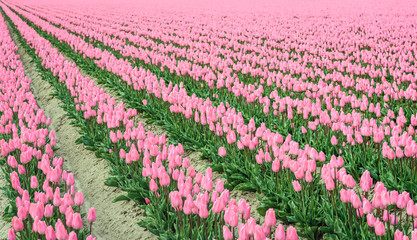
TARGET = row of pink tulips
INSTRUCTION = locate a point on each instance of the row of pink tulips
(100, 32)
(201, 53)
(47, 205)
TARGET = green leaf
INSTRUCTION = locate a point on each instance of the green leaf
(98, 154)
(329, 236)
(91, 148)
(239, 177)
(326, 229)
(250, 187)
(111, 182)
(79, 140)
(121, 198)
(149, 224)
(217, 167)
(9, 213)
(338, 226)
(262, 210)
(134, 195)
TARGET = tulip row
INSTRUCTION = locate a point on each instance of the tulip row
(167, 173)
(222, 154)
(119, 43)
(43, 201)
(193, 52)
(323, 115)
(401, 174)
(391, 114)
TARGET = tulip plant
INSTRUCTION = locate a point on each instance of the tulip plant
(301, 127)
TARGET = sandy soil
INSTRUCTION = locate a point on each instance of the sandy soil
(114, 220)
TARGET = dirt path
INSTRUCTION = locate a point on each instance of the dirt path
(114, 220)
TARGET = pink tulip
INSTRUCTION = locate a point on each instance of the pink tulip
(227, 234)
(379, 228)
(50, 233)
(222, 152)
(90, 238)
(243, 233)
(414, 234)
(61, 232)
(17, 224)
(22, 212)
(70, 179)
(259, 233)
(79, 199)
(77, 222)
(11, 234)
(72, 236)
(42, 227)
(367, 206)
(370, 220)
(91, 216)
(334, 141)
(270, 219)
(153, 186)
(303, 130)
(292, 233)
(280, 233)
(11, 161)
(276, 165)
(203, 211)
(297, 186)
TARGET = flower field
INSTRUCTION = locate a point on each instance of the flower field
(208, 120)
